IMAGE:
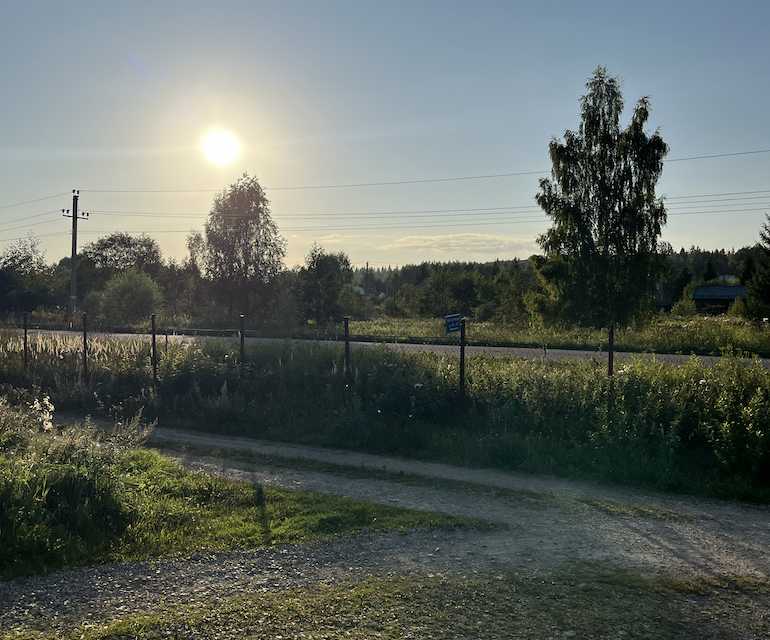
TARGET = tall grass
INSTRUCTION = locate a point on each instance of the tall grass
(60, 489)
(692, 428)
(702, 335)
(79, 495)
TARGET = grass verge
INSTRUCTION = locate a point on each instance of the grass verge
(74, 496)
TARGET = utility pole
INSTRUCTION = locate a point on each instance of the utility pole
(74, 264)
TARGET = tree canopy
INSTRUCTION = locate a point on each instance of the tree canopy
(25, 278)
(242, 246)
(320, 282)
(602, 254)
(129, 297)
(758, 301)
(120, 251)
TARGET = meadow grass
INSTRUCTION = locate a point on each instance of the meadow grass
(700, 335)
(690, 428)
(76, 495)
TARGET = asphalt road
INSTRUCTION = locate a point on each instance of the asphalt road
(523, 352)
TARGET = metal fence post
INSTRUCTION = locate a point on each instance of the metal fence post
(347, 347)
(26, 351)
(85, 348)
(462, 361)
(154, 353)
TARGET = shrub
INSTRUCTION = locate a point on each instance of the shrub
(61, 497)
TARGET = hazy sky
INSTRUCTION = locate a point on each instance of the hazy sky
(114, 99)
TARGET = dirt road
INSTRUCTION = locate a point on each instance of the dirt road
(548, 521)
(547, 524)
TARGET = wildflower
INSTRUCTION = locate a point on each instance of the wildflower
(44, 410)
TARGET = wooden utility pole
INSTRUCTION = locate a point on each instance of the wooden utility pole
(73, 265)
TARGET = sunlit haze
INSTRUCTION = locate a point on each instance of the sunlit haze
(394, 131)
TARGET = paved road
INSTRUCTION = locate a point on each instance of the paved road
(523, 352)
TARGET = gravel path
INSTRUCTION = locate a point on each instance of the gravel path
(549, 523)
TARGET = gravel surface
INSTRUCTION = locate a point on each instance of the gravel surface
(548, 523)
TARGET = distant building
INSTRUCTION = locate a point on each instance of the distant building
(359, 290)
(715, 299)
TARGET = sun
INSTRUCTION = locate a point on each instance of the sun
(220, 147)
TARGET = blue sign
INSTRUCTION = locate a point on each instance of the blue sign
(452, 323)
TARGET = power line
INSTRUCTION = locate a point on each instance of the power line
(149, 191)
(18, 204)
(37, 215)
(697, 204)
(682, 201)
(719, 155)
(406, 182)
(716, 195)
(488, 176)
(400, 182)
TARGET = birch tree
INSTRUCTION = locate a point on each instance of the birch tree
(602, 254)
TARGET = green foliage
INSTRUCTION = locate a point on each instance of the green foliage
(26, 282)
(758, 302)
(684, 308)
(120, 251)
(129, 297)
(320, 282)
(692, 428)
(78, 495)
(689, 334)
(61, 496)
(243, 249)
(602, 255)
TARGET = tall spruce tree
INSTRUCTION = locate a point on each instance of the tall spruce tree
(602, 254)
(758, 299)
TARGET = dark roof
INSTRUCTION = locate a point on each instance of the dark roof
(715, 292)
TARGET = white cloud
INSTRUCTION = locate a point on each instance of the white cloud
(334, 238)
(466, 243)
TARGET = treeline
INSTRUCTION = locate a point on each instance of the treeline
(122, 279)
(236, 266)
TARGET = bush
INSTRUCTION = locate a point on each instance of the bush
(684, 308)
(61, 496)
(129, 297)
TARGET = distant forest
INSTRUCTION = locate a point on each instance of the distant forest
(121, 279)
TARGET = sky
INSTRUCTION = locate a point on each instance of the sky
(395, 131)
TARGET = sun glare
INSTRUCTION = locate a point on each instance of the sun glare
(220, 147)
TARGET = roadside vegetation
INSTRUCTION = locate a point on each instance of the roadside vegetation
(691, 428)
(701, 335)
(72, 496)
